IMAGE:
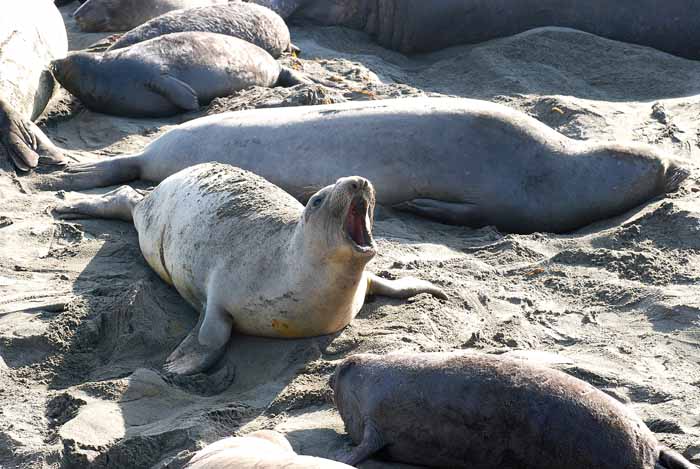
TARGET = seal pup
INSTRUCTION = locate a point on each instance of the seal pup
(482, 411)
(415, 26)
(249, 256)
(248, 21)
(96, 16)
(264, 449)
(169, 74)
(457, 161)
(31, 35)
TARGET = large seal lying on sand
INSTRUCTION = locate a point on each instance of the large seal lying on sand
(122, 15)
(169, 74)
(253, 23)
(482, 412)
(412, 26)
(458, 161)
(250, 257)
(31, 35)
(264, 449)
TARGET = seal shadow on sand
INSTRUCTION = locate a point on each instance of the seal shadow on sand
(124, 334)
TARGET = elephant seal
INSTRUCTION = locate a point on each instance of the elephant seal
(31, 35)
(480, 412)
(415, 26)
(248, 21)
(457, 161)
(264, 449)
(249, 256)
(169, 74)
(96, 16)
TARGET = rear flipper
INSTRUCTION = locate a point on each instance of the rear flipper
(289, 77)
(118, 204)
(25, 143)
(670, 459)
(102, 173)
(451, 213)
(401, 288)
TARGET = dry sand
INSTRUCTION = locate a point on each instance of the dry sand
(85, 325)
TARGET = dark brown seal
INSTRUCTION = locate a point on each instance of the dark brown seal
(484, 412)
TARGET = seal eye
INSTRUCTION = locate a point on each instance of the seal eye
(317, 201)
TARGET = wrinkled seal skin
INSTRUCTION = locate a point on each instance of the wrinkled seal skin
(250, 257)
(414, 26)
(481, 412)
(458, 161)
(168, 74)
(31, 35)
(253, 23)
(122, 15)
(264, 449)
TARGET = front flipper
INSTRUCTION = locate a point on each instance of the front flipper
(452, 213)
(176, 91)
(401, 288)
(25, 143)
(204, 345)
(371, 443)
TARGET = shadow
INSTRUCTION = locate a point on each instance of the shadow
(542, 61)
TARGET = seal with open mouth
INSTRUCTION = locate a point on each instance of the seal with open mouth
(251, 258)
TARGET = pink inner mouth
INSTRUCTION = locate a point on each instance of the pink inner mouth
(356, 223)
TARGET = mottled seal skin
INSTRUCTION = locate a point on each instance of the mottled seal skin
(414, 26)
(249, 256)
(264, 449)
(168, 74)
(122, 15)
(31, 35)
(248, 21)
(458, 161)
(480, 412)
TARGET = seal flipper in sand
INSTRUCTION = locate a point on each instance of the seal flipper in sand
(308, 279)
(25, 143)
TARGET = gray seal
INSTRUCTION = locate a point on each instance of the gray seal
(458, 161)
(31, 35)
(169, 74)
(263, 449)
(248, 21)
(95, 16)
(481, 412)
(248, 256)
(414, 26)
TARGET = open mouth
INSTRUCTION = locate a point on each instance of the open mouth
(357, 225)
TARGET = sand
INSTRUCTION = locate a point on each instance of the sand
(85, 325)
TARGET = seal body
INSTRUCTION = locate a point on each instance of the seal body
(166, 75)
(457, 161)
(122, 15)
(481, 411)
(31, 35)
(249, 256)
(413, 26)
(264, 449)
(248, 21)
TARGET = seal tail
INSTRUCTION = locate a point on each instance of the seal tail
(103, 173)
(675, 175)
(670, 459)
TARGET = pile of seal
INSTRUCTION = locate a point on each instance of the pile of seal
(266, 230)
